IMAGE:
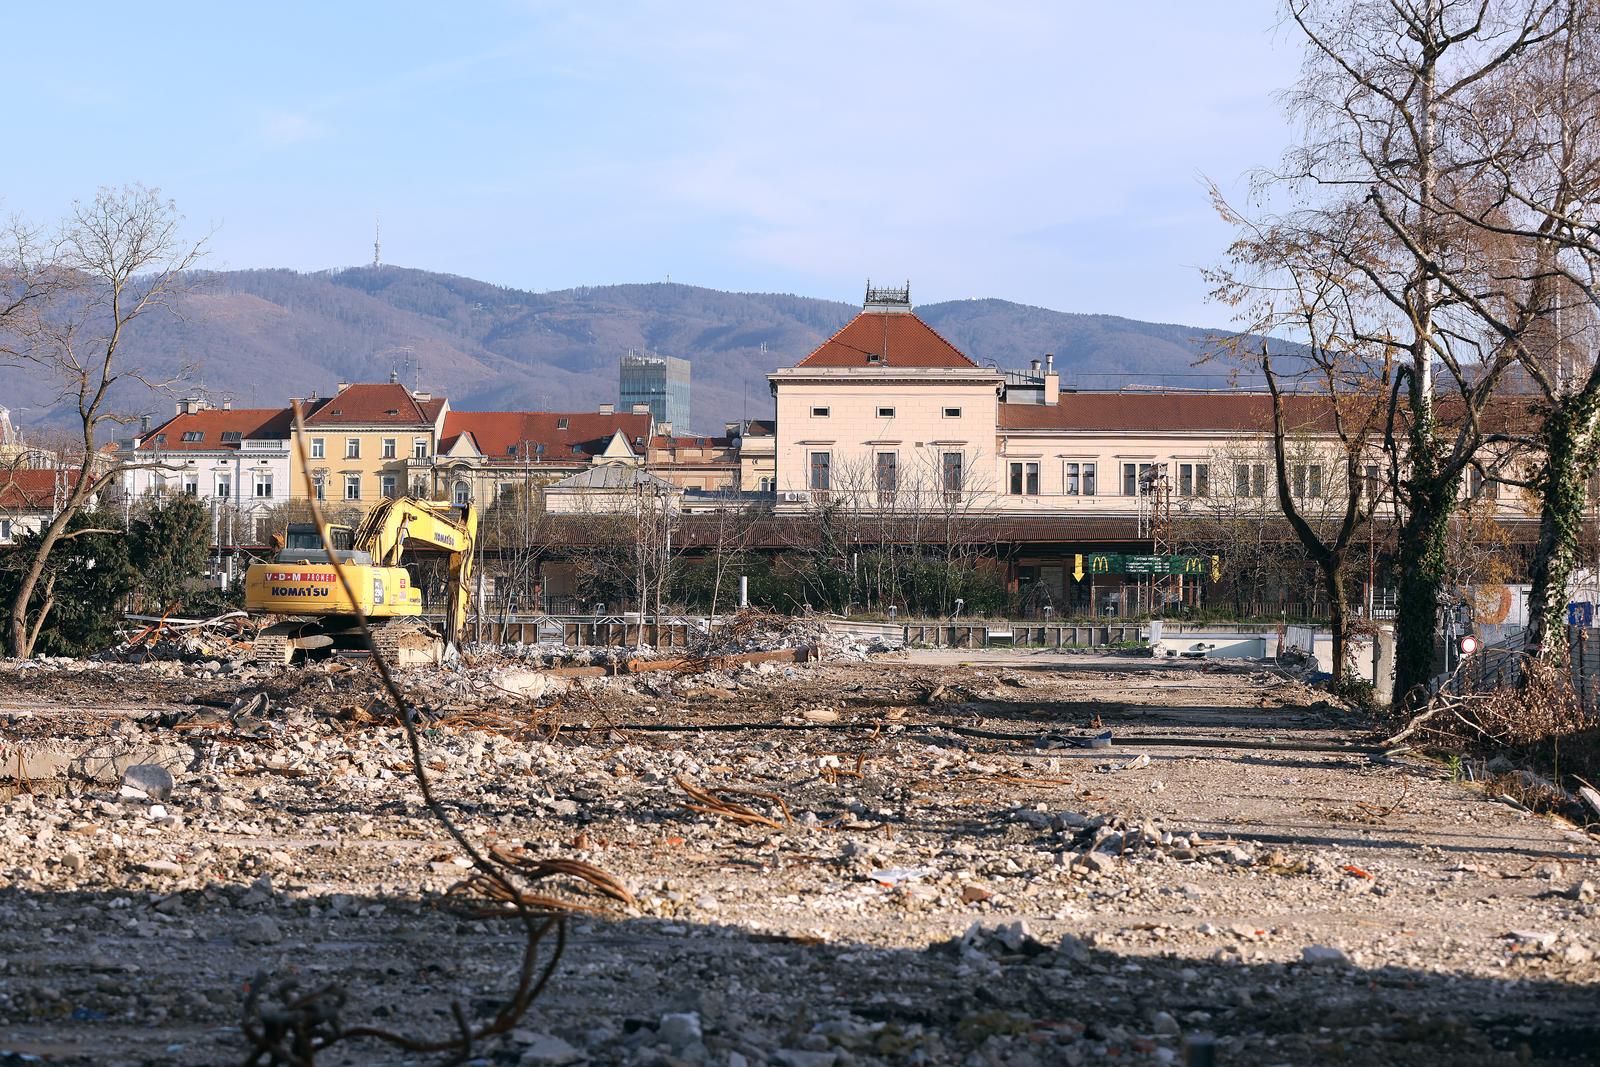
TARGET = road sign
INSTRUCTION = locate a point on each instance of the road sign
(1580, 613)
(1077, 568)
(1468, 645)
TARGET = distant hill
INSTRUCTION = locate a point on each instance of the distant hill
(261, 336)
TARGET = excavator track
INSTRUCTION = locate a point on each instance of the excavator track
(406, 643)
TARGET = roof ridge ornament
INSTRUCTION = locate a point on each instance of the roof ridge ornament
(887, 299)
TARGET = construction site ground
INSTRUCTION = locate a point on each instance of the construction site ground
(1240, 865)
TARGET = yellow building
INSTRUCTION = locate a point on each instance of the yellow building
(360, 442)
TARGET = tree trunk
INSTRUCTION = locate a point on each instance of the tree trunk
(1568, 444)
(1421, 560)
(1338, 618)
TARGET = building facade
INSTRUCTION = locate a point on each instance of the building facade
(363, 443)
(661, 383)
(237, 459)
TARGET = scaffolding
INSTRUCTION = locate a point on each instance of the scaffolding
(1155, 523)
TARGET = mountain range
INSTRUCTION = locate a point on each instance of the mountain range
(259, 337)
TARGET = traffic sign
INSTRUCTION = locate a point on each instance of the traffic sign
(1580, 613)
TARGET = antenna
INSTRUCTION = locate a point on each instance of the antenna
(377, 242)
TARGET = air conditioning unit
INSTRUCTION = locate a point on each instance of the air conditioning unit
(794, 498)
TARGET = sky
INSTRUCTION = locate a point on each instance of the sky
(1050, 153)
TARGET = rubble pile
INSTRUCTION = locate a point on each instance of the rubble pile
(909, 893)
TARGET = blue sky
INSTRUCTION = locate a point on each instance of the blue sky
(1050, 153)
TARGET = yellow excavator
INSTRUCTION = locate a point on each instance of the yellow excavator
(301, 582)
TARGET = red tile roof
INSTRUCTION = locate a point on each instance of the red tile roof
(683, 440)
(898, 339)
(497, 432)
(374, 404)
(1155, 412)
(212, 423)
(32, 490)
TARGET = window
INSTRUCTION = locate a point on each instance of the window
(887, 473)
(561, 424)
(224, 487)
(193, 436)
(1479, 487)
(231, 437)
(1194, 479)
(352, 487)
(1374, 486)
(1025, 479)
(462, 494)
(821, 462)
(263, 485)
(874, 357)
(1308, 481)
(819, 413)
(508, 490)
(511, 450)
(1078, 479)
(952, 413)
(886, 413)
(319, 485)
(352, 448)
(191, 484)
(950, 471)
(1250, 479)
(577, 450)
(419, 448)
(161, 438)
(768, 485)
(387, 486)
(388, 448)
(5, 529)
(319, 450)
(1136, 478)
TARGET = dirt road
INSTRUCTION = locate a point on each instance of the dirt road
(1238, 866)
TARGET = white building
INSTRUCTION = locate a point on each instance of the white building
(235, 457)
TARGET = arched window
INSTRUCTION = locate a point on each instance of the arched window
(463, 494)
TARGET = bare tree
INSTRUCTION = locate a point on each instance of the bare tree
(1283, 278)
(118, 257)
(1379, 96)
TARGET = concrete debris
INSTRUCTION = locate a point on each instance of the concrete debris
(150, 780)
(931, 887)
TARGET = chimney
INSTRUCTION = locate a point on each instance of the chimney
(664, 429)
(1049, 362)
(342, 387)
(608, 409)
(421, 396)
(641, 409)
(144, 424)
(191, 404)
(1052, 381)
(1035, 367)
(227, 405)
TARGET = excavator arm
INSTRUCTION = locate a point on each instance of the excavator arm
(393, 525)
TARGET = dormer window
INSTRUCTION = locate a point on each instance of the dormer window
(392, 411)
(538, 450)
(511, 450)
(561, 424)
(194, 436)
(577, 450)
(231, 437)
(161, 438)
(874, 357)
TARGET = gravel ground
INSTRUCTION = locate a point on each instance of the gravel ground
(956, 882)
